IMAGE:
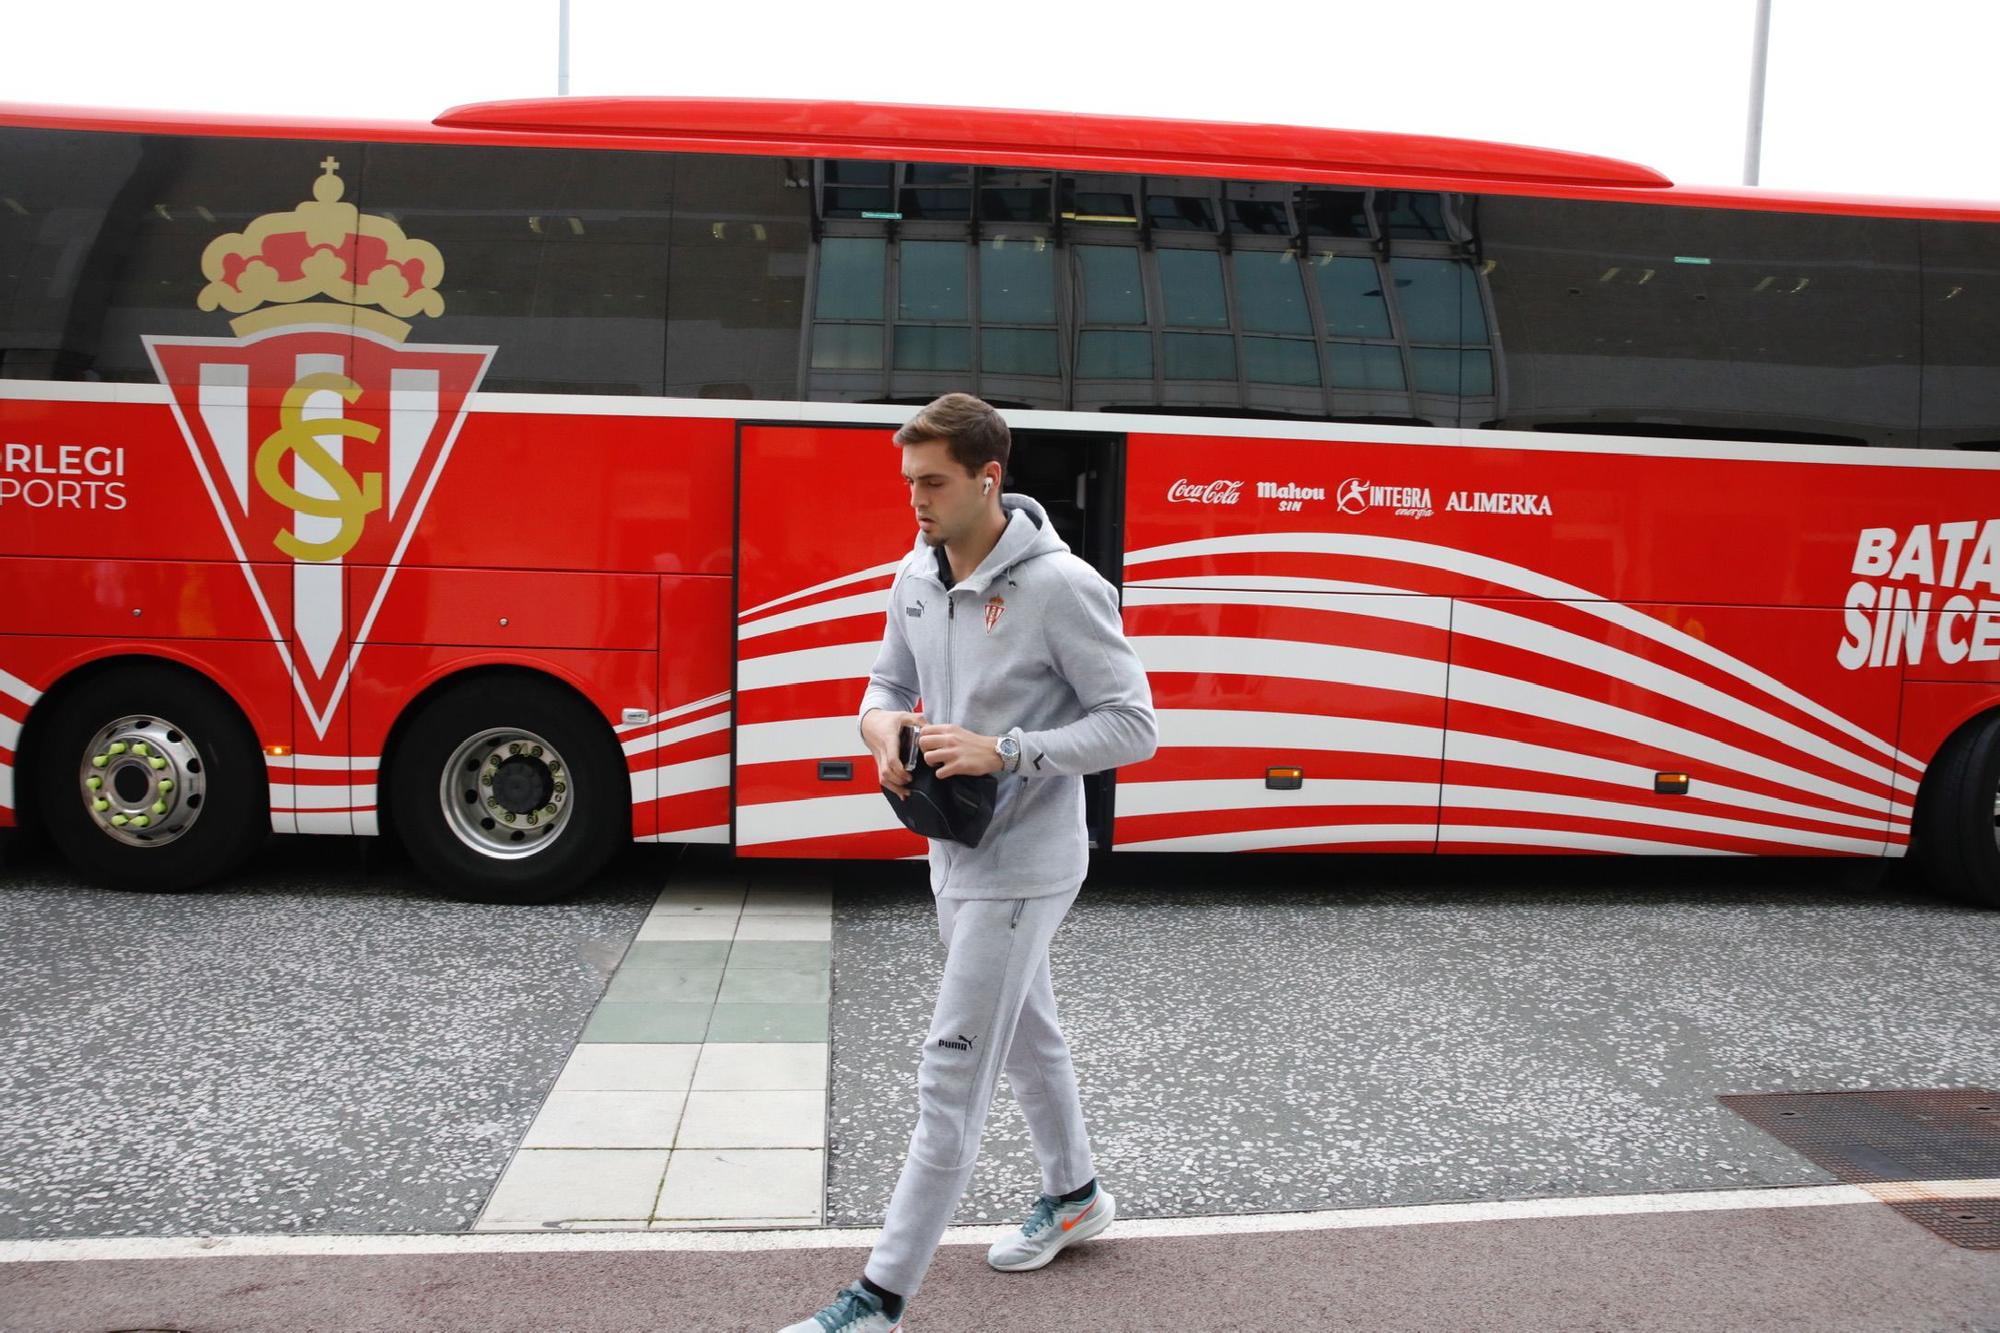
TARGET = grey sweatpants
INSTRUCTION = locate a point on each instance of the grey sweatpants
(995, 1006)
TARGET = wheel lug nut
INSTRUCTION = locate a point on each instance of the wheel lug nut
(139, 749)
(100, 805)
(159, 807)
(99, 760)
(140, 821)
(166, 784)
(95, 784)
(117, 748)
(157, 763)
(119, 821)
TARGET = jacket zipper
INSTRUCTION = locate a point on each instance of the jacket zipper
(1019, 903)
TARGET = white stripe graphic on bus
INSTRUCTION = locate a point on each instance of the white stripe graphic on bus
(840, 661)
(660, 740)
(818, 817)
(1426, 554)
(1514, 631)
(1295, 660)
(1297, 736)
(17, 688)
(840, 608)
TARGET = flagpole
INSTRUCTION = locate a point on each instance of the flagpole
(1753, 147)
(562, 53)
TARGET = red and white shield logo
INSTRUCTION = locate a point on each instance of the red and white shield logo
(319, 446)
(317, 432)
(995, 608)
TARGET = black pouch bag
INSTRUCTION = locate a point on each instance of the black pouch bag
(958, 809)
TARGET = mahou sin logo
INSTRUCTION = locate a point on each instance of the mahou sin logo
(1204, 493)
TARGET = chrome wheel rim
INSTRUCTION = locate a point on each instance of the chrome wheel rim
(506, 793)
(142, 781)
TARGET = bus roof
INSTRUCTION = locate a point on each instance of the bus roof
(1059, 140)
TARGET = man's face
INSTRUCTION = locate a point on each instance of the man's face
(947, 501)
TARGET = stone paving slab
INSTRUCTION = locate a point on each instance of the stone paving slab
(736, 1098)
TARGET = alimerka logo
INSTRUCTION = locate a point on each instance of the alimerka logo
(318, 434)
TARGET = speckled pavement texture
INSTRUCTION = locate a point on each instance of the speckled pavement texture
(1264, 1034)
(310, 1047)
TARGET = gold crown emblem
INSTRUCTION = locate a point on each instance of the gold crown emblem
(322, 249)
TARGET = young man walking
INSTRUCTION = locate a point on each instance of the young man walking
(1016, 647)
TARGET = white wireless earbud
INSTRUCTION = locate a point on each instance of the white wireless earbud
(986, 487)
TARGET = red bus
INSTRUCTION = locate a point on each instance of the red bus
(519, 482)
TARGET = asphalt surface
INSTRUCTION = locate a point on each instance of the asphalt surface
(1255, 1034)
(1832, 1268)
(326, 1045)
(312, 1046)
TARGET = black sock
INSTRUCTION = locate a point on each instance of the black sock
(1080, 1193)
(892, 1304)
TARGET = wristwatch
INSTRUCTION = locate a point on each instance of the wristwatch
(1010, 752)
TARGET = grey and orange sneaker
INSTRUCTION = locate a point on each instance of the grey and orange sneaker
(855, 1310)
(1051, 1226)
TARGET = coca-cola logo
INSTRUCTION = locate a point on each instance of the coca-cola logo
(1204, 493)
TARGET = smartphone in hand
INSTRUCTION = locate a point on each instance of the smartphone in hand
(912, 752)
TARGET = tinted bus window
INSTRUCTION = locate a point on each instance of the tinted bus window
(101, 241)
(1725, 323)
(1961, 393)
(556, 257)
(738, 269)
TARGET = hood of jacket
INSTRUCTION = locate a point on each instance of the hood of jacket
(1029, 535)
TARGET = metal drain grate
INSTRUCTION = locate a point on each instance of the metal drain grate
(1875, 1139)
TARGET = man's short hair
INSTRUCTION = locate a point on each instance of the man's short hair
(974, 432)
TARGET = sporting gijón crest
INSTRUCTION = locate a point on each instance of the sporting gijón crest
(318, 433)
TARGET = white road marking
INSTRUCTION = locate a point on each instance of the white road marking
(832, 1238)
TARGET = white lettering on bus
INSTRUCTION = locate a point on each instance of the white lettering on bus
(1910, 591)
(63, 460)
(1498, 502)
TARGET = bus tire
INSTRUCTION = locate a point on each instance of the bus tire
(150, 778)
(1956, 833)
(509, 789)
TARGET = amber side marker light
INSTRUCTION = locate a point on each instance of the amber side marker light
(1670, 784)
(1284, 779)
(277, 751)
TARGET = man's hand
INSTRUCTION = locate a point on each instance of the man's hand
(953, 750)
(882, 730)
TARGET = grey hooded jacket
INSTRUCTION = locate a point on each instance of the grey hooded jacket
(1030, 644)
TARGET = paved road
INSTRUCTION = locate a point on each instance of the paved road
(326, 1045)
(1255, 1034)
(1857, 1267)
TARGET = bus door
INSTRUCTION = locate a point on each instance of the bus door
(823, 521)
(1298, 675)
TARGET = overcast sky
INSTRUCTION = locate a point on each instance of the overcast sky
(1889, 99)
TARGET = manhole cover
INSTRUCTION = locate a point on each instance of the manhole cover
(1897, 1142)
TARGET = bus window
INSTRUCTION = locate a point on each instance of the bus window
(558, 258)
(1961, 380)
(103, 237)
(737, 298)
(1630, 318)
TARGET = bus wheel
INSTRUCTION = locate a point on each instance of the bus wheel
(151, 779)
(510, 790)
(1956, 833)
